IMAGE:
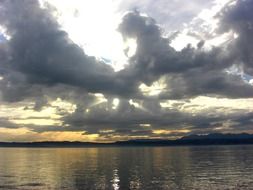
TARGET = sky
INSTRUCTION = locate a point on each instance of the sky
(114, 70)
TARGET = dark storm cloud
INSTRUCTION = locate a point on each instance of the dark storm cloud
(238, 17)
(134, 123)
(5, 123)
(208, 83)
(41, 52)
(41, 63)
(127, 117)
(244, 122)
(123, 119)
(190, 72)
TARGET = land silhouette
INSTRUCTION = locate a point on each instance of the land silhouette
(209, 139)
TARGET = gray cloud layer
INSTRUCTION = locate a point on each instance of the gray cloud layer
(39, 52)
(198, 72)
(239, 18)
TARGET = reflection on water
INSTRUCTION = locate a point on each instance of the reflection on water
(115, 180)
(212, 167)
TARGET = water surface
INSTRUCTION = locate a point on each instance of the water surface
(199, 167)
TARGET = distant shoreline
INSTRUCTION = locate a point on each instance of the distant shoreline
(192, 140)
(116, 145)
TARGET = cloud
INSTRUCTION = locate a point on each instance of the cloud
(171, 15)
(190, 72)
(5, 123)
(207, 83)
(39, 64)
(238, 17)
(129, 121)
(41, 53)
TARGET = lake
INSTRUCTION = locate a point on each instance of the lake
(116, 168)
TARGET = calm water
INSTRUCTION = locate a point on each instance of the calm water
(154, 168)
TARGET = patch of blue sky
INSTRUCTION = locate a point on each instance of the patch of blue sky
(236, 70)
(247, 78)
(2, 38)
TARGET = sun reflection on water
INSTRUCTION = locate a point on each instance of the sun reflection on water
(115, 181)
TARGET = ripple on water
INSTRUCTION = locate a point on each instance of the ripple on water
(149, 168)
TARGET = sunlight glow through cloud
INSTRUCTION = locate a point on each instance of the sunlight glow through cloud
(94, 28)
(115, 103)
(154, 89)
(207, 23)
